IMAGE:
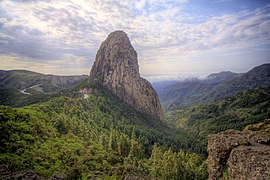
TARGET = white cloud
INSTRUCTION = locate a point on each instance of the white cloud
(140, 4)
(164, 33)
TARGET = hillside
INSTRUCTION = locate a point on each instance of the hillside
(20, 88)
(31, 82)
(235, 112)
(70, 135)
(99, 136)
(215, 87)
(184, 94)
(110, 125)
(14, 98)
(255, 78)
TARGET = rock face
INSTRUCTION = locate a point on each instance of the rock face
(116, 68)
(244, 154)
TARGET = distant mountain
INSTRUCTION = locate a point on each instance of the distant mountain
(20, 88)
(184, 93)
(255, 78)
(221, 77)
(162, 85)
(213, 87)
(40, 83)
(212, 78)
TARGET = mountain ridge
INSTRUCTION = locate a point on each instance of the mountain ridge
(24, 79)
(187, 93)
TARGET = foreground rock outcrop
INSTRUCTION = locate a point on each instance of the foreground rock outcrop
(116, 68)
(239, 155)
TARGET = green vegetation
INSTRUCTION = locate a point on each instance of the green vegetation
(36, 83)
(14, 98)
(172, 165)
(95, 137)
(187, 93)
(101, 137)
(236, 112)
(184, 94)
(50, 88)
(17, 78)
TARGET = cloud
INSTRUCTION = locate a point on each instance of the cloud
(164, 32)
(140, 4)
(174, 77)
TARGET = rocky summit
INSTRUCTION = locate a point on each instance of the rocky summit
(239, 155)
(116, 68)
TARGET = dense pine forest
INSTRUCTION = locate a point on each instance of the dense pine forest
(134, 90)
(95, 137)
(63, 133)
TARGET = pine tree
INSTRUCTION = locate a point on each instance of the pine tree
(155, 162)
(168, 165)
(123, 146)
(113, 141)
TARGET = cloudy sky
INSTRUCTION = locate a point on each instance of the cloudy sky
(170, 36)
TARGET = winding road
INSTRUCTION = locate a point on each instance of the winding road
(32, 87)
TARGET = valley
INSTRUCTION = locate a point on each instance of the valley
(113, 124)
(134, 90)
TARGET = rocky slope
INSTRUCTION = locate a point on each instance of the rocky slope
(116, 68)
(239, 155)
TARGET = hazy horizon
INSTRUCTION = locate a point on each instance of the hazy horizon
(170, 37)
(161, 77)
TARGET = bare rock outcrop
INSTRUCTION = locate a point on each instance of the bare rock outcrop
(239, 155)
(116, 68)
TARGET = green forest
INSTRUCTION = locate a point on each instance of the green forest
(98, 137)
(233, 112)
(101, 137)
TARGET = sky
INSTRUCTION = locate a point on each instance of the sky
(170, 36)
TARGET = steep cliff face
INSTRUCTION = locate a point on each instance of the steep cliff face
(239, 155)
(116, 68)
